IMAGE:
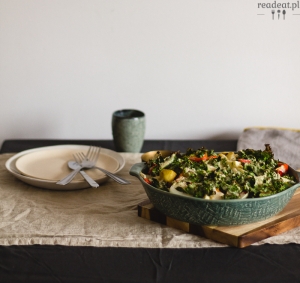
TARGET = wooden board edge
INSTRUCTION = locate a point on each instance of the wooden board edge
(278, 227)
(146, 210)
(270, 229)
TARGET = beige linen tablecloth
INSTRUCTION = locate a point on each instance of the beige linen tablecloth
(102, 217)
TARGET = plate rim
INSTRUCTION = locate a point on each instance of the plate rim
(58, 153)
(80, 183)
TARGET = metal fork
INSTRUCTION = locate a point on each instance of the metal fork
(74, 164)
(91, 158)
(86, 163)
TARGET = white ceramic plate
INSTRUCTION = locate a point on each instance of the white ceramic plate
(43, 167)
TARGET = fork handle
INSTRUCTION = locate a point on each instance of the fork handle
(89, 179)
(114, 177)
(66, 180)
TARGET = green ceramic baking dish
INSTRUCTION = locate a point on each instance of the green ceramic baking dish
(216, 212)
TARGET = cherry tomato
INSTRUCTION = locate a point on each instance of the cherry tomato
(203, 158)
(244, 160)
(282, 169)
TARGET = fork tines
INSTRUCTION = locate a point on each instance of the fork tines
(93, 153)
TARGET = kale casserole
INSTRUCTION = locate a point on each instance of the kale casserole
(206, 174)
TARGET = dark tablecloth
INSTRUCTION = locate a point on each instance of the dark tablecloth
(149, 145)
(37, 263)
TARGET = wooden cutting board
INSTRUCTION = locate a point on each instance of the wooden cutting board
(238, 236)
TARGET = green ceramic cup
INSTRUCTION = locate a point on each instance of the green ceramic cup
(128, 129)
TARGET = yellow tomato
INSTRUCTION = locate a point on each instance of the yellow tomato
(167, 175)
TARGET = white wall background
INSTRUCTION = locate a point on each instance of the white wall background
(199, 69)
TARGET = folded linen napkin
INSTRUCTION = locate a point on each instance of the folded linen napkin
(285, 143)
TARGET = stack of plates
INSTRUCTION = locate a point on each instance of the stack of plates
(43, 167)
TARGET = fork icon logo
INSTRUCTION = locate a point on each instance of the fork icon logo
(278, 11)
